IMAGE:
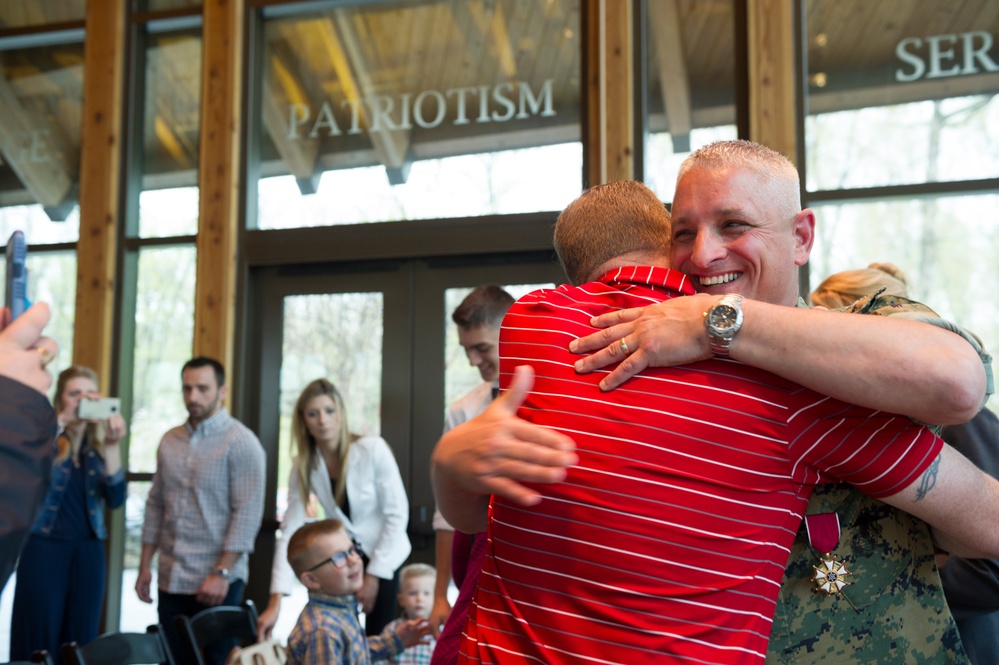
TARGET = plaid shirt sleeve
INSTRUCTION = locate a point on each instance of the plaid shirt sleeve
(386, 645)
(316, 640)
(154, 508)
(246, 479)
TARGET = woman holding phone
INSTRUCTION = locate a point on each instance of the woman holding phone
(61, 574)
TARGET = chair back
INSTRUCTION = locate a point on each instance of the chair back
(262, 653)
(147, 648)
(213, 624)
(40, 657)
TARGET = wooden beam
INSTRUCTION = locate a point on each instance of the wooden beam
(218, 223)
(609, 129)
(281, 92)
(392, 146)
(100, 183)
(674, 84)
(772, 82)
(36, 151)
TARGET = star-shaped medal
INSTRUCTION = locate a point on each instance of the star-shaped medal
(830, 576)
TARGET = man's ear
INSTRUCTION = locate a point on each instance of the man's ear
(803, 228)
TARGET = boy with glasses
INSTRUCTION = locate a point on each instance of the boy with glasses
(329, 565)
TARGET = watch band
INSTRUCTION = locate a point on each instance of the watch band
(224, 573)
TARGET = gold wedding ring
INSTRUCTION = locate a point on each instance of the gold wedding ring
(624, 347)
(46, 355)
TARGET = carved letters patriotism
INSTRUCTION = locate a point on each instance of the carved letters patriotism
(945, 55)
(428, 109)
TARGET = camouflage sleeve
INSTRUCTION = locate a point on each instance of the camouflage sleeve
(884, 305)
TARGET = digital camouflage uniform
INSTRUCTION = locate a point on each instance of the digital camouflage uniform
(894, 611)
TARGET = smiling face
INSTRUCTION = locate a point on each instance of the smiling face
(326, 577)
(481, 344)
(416, 596)
(730, 236)
(322, 419)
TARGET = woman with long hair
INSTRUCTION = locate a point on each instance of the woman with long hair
(62, 572)
(356, 480)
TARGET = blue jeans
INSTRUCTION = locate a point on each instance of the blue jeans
(59, 593)
(172, 604)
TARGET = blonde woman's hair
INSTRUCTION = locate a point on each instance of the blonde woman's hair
(842, 289)
(95, 431)
(305, 444)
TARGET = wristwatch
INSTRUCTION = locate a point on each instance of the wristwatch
(723, 321)
(224, 573)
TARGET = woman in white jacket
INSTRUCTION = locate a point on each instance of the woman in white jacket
(356, 480)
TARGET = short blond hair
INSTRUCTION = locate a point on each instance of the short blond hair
(608, 221)
(842, 289)
(300, 554)
(776, 173)
(416, 570)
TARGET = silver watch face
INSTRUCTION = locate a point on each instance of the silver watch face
(722, 318)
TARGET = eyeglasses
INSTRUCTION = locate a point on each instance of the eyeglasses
(339, 559)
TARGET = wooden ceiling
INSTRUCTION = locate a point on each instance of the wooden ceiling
(391, 52)
(406, 60)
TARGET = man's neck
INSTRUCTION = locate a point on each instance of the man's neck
(195, 422)
(628, 260)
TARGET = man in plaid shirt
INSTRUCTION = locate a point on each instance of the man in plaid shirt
(204, 508)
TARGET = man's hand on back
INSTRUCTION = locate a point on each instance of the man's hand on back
(663, 335)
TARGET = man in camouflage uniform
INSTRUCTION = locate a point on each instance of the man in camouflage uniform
(894, 610)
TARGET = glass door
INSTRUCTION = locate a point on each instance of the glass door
(382, 333)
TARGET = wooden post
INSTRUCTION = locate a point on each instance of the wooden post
(218, 224)
(772, 82)
(100, 183)
(610, 92)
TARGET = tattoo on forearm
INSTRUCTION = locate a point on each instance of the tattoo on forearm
(928, 479)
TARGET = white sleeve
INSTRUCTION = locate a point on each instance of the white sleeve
(282, 576)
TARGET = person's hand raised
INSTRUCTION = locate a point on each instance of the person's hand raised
(24, 351)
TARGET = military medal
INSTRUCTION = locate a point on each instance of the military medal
(823, 534)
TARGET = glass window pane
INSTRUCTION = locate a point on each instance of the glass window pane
(52, 279)
(901, 92)
(135, 614)
(38, 228)
(164, 330)
(171, 117)
(459, 375)
(6, 607)
(931, 240)
(41, 92)
(24, 13)
(337, 336)
(691, 84)
(430, 109)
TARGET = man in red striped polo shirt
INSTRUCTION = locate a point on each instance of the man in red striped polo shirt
(669, 534)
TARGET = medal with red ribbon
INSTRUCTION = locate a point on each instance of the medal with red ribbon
(823, 535)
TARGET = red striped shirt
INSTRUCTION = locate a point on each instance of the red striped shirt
(670, 536)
